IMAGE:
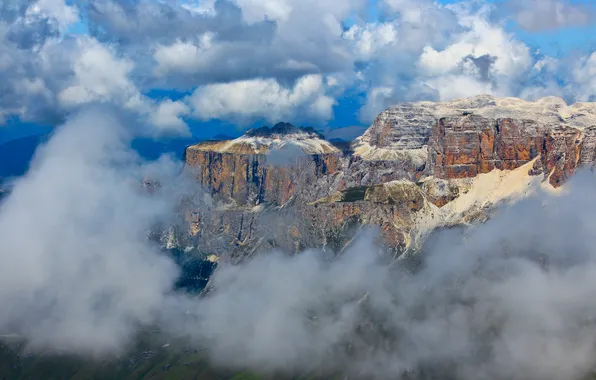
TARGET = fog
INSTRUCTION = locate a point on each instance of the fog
(76, 268)
(508, 299)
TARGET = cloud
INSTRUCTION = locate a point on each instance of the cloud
(503, 299)
(540, 15)
(233, 42)
(285, 155)
(58, 10)
(371, 39)
(90, 276)
(509, 299)
(584, 74)
(185, 57)
(263, 98)
(168, 117)
(99, 76)
(464, 54)
(415, 50)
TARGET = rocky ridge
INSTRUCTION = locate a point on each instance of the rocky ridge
(419, 166)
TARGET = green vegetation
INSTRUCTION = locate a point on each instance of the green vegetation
(163, 363)
(354, 194)
(153, 357)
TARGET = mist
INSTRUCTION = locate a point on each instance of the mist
(507, 299)
(76, 268)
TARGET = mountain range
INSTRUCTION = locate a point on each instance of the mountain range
(418, 167)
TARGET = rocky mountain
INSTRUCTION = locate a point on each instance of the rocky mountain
(419, 166)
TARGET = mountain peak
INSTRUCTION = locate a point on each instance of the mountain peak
(282, 129)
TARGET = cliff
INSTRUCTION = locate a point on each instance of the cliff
(419, 166)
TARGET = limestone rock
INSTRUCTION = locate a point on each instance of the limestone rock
(419, 166)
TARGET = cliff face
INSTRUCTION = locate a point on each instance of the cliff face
(420, 165)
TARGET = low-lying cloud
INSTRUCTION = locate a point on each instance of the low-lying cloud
(511, 298)
(76, 268)
(507, 299)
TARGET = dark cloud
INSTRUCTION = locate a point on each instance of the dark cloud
(483, 64)
(237, 49)
(26, 36)
(142, 21)
(10, 10)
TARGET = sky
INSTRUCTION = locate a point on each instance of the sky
(207, 67)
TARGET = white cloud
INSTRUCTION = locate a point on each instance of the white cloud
(90, 276)
(263, 98)
(57, 9)
(377, 99)
(369, 40)
(183, 56)
(459, 86)
(100, 76)
(421, 50)
(482, 52)
(461, 53)
(167, 117)
(203, 7)
(257, 10)
(584, 75)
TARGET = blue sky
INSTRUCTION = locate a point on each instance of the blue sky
(206, 67)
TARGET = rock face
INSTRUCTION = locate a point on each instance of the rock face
(419, 166)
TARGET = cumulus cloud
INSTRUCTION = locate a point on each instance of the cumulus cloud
(182, 56)
(584, 74)
(168, 117)
(238, 40)
(263, 98)
(370, 39)
(99, 76)
(539, 15)
(416, 50)
(465, 54)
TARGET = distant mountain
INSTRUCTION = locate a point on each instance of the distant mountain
(220, 137)
(15, 155)
(343, 133)
(283, 129)
(151, 149)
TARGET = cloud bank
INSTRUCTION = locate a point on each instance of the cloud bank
(243, 61)
(77, 270)
(506, 299)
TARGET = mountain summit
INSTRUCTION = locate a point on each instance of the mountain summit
(264, 139)
(283, 129)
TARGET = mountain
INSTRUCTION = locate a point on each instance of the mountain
(418, 167)
(152, 149)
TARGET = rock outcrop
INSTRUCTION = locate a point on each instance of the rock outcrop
(420, 165)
